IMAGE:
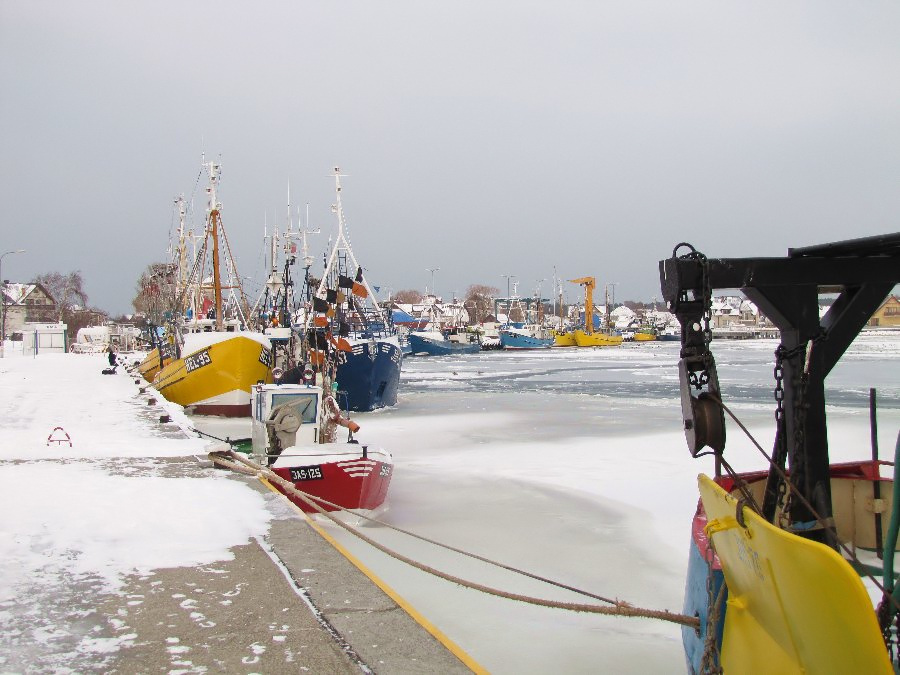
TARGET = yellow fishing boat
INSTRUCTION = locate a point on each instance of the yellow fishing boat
(152, 363)
(210, 364)
(598, 339)
(216, 373)
(644, 336)
(563, 338)
(149, 367)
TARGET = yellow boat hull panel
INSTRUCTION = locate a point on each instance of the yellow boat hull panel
(564, 339)
(794, 605)
(582, 339)
(216, 379)
(149, 367)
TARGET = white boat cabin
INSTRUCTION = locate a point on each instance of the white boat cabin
(285, 415)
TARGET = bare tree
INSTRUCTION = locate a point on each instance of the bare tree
(479, 301)
(155, 292)
(409, 296)
(67, 291)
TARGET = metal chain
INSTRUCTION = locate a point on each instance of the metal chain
(707, 299)
(782, 500)
(888, 624)
(802, 353)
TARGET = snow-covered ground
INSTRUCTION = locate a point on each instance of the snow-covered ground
(77, 520)
(566, 463)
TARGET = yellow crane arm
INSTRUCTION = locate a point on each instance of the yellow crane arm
(589, 283)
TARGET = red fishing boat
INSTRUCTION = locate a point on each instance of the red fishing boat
(295, 427)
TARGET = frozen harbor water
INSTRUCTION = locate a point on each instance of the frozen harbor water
(571, 464)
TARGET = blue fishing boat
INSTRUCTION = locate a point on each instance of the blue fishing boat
(434, 343)
(370, 374)
(523, 338)
(350, 339)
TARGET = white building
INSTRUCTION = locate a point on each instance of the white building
(44, 338)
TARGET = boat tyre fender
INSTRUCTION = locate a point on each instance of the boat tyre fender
(334, 415)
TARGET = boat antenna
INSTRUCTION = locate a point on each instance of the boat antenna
(304, 244)
(213, 230)
(289, 219)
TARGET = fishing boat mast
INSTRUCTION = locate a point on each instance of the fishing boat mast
(180, 252)
(213, 222)
(342, 244)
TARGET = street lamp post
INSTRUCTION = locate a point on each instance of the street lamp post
(540, 302)
(3, 304)
(433, 270)
(508, 302)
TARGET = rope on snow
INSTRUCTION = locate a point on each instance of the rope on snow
(615, 608)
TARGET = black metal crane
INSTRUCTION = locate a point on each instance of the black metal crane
(862, 272)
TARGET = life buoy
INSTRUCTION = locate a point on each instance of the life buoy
(334, 415)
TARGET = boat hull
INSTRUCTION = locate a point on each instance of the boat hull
(421, 344)
(515, 340)
(758, 563)
(566, 339)
(583, 339)
(370, 374)
(216, 379)
(348, 475)
(151, 365)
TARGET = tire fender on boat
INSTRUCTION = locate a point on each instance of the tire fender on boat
(334, 415)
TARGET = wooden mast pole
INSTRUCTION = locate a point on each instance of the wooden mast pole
(214, 225)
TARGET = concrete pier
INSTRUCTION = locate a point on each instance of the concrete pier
(290, 602)
(284, 600)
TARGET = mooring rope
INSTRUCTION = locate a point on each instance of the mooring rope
(617, 608)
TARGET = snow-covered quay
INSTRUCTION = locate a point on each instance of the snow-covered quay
(80, 519)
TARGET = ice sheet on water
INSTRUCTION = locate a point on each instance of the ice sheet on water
(572, 463)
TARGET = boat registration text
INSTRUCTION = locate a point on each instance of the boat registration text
(198, 360)
(313, 472)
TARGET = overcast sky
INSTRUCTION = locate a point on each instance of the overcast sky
(481, 138)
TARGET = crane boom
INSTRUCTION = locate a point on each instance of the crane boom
(589, 283)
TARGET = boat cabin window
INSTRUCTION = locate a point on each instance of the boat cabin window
(305, 403)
